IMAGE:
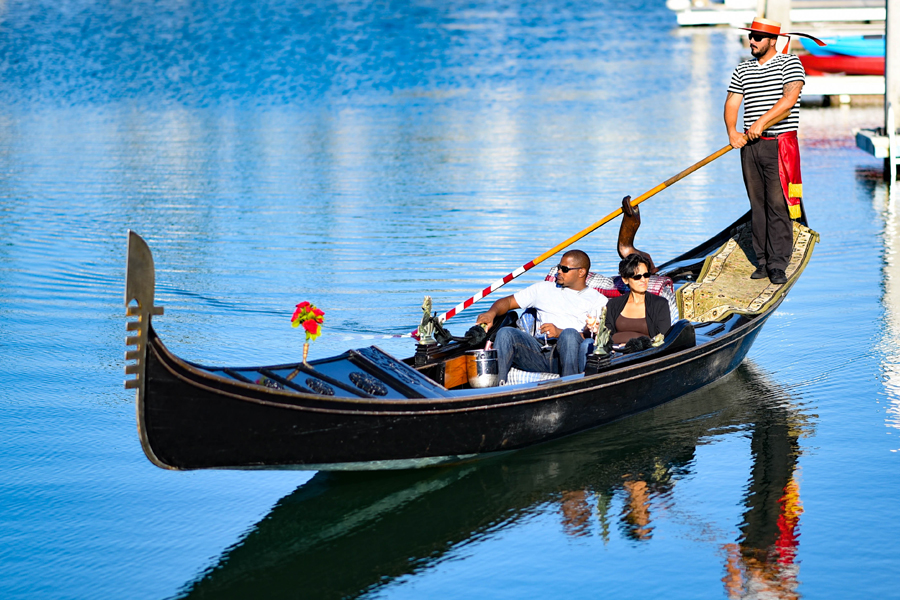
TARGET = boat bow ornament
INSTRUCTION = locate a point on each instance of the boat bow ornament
(140, 285)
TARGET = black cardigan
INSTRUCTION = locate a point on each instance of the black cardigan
(659, 319)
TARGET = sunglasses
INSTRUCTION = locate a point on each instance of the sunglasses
(639, 276)
(566, 269)
(758, 37)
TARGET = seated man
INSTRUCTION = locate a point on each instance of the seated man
(562, 310)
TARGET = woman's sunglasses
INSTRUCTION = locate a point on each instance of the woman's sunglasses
(638, 276)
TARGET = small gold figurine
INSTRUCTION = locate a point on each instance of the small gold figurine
(602, 336)
(426, 327)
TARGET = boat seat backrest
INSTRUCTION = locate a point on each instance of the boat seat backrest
(616, 286)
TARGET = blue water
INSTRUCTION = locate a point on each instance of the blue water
(359, 156)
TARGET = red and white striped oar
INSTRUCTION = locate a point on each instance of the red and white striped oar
(529, 265)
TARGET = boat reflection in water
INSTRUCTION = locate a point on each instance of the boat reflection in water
(345, 533)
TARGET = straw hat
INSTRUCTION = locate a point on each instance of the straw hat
(767, 26)
(773, 28)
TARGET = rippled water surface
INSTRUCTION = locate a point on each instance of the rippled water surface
(360, 155)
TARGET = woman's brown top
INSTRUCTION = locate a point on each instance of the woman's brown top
(657, 318)
(629, 328)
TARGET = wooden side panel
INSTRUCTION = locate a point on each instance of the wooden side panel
(455, 372)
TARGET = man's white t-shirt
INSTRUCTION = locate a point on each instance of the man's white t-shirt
(563, 307)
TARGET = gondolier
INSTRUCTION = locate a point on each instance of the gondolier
(769, 86)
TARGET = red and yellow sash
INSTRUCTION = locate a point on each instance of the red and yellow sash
(789, 171)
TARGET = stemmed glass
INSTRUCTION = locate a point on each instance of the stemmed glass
(546, 342)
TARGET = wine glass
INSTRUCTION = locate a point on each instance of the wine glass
(546, 341)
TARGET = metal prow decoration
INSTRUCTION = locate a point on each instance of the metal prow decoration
(140, 286)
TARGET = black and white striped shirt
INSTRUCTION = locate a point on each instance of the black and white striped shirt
(763, 85)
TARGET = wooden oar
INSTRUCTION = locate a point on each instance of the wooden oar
(529, 265)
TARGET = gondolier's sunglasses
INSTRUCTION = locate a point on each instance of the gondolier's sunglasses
(758, 37)
(638, 276)
(566, 269)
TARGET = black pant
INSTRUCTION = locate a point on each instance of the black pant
(773, 233)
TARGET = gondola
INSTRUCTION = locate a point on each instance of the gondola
(365, 409)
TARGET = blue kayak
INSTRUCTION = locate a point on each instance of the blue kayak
(857, 45)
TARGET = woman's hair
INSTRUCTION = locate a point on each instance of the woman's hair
(629, 264)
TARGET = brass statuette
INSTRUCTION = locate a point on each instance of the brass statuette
(426, 327)
(601, 339)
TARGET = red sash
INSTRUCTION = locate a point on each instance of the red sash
(789, 171)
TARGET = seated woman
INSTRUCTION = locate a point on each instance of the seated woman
(638, 313)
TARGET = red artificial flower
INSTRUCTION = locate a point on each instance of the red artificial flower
(309, 317)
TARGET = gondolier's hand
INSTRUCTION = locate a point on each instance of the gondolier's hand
(755, 130)
(737, 140)
(551, 330)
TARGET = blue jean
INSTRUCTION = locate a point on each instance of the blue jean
(515, 348)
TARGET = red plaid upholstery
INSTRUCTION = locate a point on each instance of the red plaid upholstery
(599, 282)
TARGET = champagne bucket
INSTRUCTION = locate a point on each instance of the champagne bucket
(482, 368)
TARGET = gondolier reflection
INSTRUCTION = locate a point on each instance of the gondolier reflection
(562, 310)
(769, 85)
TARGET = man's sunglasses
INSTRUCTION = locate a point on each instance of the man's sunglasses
(758, 37)
(566, 269)
(638, 276)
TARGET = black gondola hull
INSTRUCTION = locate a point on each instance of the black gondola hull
(191, 420)
(367, 410)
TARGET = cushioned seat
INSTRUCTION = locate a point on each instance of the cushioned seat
(518, 376)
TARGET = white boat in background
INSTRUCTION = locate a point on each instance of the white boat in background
(738, 13)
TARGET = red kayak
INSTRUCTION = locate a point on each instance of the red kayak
(851, 65)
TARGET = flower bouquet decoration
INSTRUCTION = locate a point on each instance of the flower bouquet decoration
(311, 319)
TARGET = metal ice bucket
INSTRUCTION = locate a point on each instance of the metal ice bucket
(482, 368)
